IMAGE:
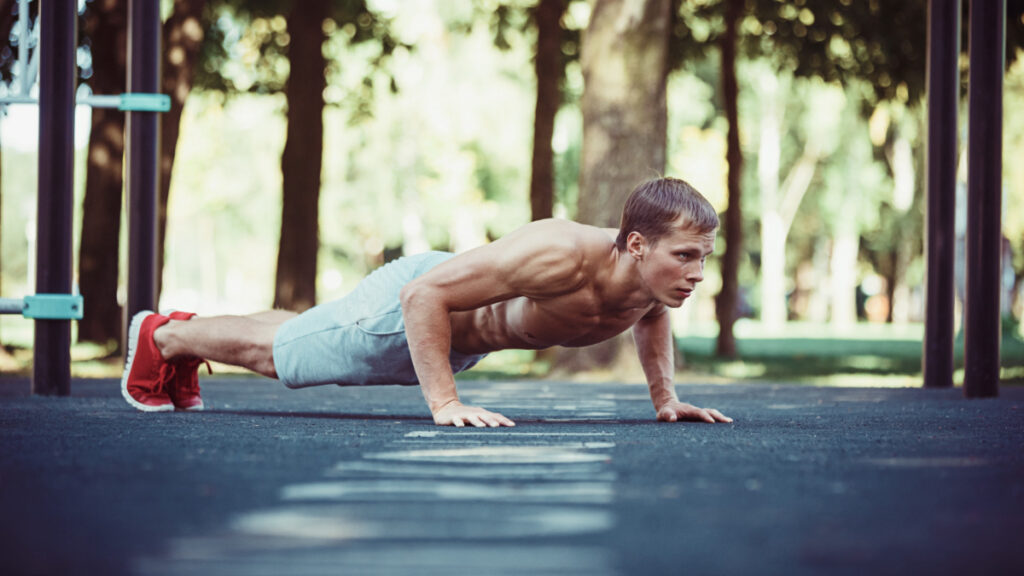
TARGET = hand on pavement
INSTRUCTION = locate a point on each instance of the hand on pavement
(675, 411)
(455, 414)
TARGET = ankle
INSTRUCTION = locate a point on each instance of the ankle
(164, 340)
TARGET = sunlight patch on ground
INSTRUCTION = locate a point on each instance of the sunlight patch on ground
(869, 381)
(741, 369)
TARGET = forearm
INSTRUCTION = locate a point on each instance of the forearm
(659, 372)
(653, 339)
(429, 333)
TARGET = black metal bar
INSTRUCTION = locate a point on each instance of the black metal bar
(51, 370)
(943, 97)
(984, 198)
(142, 156)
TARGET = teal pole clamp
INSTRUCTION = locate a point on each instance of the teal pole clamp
(141, 102)
(53, 307)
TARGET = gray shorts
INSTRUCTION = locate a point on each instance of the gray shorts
(358, 339)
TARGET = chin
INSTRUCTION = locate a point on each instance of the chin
(674, 302)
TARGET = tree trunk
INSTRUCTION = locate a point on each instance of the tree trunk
(847, 226)
(625, 68)
(106, 26)
(726, 304)
(899, 308)
(901, 161)
(302, 159)
(548, 66)
(3, 351)
(182, 37)
(844, 267)
(817, 307)
(773, 236)
(778, 209)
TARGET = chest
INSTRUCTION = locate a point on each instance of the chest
(576, 320)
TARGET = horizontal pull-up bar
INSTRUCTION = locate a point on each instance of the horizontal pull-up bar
(45, 306)
(130, 102)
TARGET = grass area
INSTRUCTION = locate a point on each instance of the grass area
(802, 352)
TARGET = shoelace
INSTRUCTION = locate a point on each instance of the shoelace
(164, 378)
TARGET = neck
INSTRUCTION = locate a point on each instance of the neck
(624, 287)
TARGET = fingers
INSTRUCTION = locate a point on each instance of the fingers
(681, 411)
(493, 420)
(470, 416)
(719, 417)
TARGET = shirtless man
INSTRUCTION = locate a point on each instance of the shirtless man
(423, 318)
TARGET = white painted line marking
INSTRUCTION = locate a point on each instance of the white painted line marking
(436, 433)
(352, 521)
(494, 455)
(392, 490)
(450, 441)
(584, 471)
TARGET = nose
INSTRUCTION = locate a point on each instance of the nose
(695, 272)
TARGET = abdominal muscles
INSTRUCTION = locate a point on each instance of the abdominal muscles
(533, 325)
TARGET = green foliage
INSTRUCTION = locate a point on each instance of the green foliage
(246, 43)
(883, 43)
(513, 23)
(1013, 171)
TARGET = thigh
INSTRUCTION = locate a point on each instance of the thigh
(358, 339)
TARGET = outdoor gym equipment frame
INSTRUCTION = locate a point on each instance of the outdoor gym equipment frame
(55, 306)
(982, 323)
(982, 326)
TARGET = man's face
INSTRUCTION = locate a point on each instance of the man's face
(674, 266)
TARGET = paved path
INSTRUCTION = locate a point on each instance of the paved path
(358, 481)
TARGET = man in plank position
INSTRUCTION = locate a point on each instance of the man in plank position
(421, 319)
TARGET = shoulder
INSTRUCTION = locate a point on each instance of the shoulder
(556, 242)
(562, 236)
(550, 256)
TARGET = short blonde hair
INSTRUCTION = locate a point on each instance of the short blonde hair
(655, 205)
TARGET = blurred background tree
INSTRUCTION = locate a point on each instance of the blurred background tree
(104, 31)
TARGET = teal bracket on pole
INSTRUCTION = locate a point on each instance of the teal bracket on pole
(53, 307)
(141, 102)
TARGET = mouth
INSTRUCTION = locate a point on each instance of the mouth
(684, 292)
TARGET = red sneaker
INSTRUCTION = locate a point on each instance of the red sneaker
(184, 389)
(146, 373)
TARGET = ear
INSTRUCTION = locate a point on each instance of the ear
(636, 245)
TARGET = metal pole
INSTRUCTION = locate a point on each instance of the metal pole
(943, 97)
(142, 156)
(23, 48)
(51, 371)
(984, 198)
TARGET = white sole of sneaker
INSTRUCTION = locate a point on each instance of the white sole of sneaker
(133, 343)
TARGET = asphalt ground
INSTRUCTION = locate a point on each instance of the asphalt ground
(273, 481)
